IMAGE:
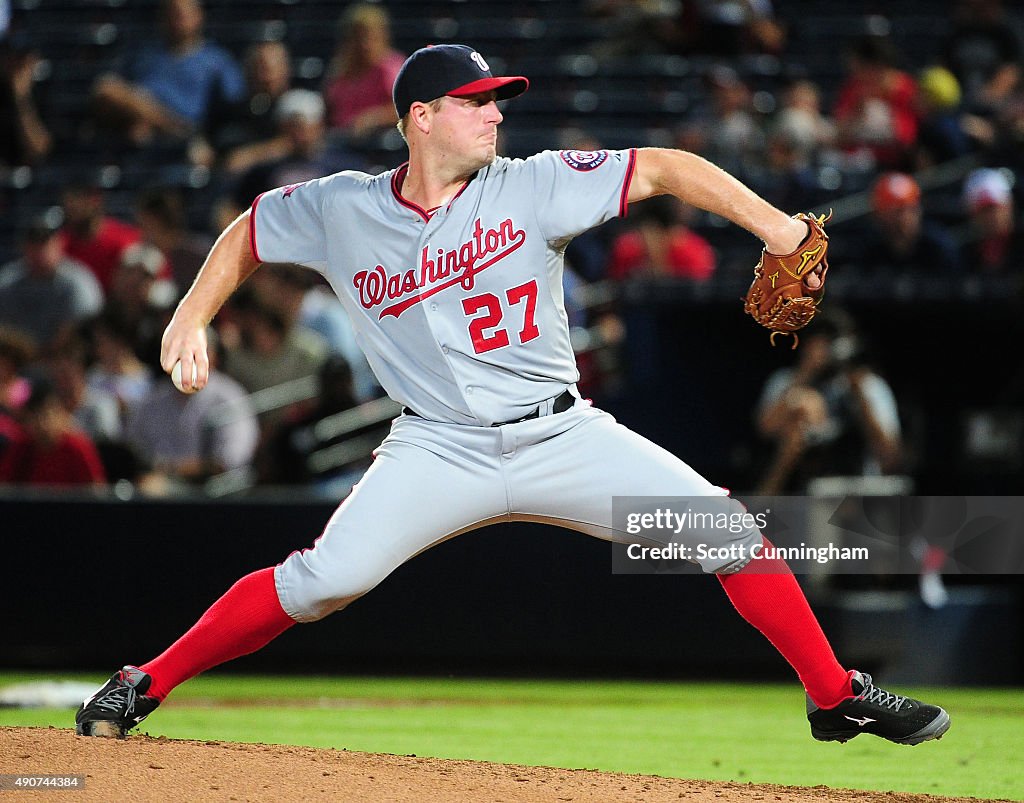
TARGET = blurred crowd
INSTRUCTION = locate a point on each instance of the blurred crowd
(87, 289)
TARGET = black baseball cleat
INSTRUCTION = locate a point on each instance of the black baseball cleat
(899, 719)
(117, 706)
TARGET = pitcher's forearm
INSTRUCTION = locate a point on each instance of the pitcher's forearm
(229, 263)
(700, 183)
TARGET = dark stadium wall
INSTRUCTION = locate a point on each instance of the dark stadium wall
(96, 584)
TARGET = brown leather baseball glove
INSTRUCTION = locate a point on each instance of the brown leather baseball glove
(779, 298)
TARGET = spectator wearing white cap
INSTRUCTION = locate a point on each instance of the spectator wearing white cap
(301, 118)
(142, 299)
(996, 244)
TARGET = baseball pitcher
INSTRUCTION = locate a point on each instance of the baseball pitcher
(450, 269)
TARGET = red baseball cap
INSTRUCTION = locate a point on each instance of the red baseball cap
(456, 70)
(894, 190)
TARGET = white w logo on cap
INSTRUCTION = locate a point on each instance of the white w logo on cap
(476, 57)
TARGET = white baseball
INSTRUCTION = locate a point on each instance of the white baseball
(176, 377)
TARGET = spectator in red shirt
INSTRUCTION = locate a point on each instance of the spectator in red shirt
(661, 245)
(54, 451)
(877, 107)
(362, 73)
(93, 237)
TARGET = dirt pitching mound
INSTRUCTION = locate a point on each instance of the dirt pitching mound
(142, 768)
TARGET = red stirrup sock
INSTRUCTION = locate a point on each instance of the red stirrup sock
(249, 616)
(767, 595)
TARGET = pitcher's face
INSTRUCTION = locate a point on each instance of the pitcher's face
(466, 129)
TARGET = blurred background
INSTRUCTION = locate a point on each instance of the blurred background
(132, 131)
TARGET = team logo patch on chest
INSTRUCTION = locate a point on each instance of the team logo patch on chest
(584, 160)
(395, 292)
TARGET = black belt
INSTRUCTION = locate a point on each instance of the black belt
(561, 404)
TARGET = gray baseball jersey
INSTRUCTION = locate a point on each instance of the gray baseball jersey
(458, 309)
(460, 312)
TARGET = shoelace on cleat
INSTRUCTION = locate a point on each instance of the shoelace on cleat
(117, 699)
(880, 697)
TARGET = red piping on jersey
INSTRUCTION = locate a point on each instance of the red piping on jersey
(398, 178)
(399, 175)
(252, 228)
(624, 198)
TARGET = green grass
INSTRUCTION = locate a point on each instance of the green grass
(686, 730)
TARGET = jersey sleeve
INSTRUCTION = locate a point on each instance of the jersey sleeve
(577, 190)
(287, 224)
